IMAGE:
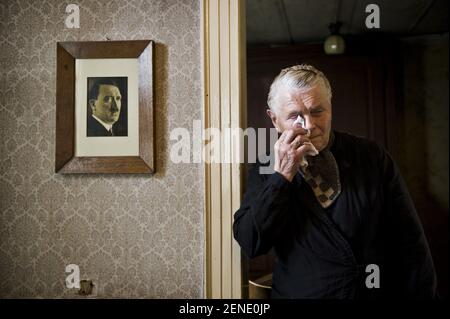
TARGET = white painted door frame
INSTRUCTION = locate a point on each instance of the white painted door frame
(224, 89)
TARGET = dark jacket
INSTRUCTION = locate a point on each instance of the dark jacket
(95, 128)
(323, 253)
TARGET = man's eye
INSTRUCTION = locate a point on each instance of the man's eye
(317, 111)
(107, 99)
(118, 98)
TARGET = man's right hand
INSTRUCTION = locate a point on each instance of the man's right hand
(290, 149)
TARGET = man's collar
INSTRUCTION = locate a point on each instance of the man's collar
(108, 127)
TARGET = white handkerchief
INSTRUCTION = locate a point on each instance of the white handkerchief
(301, 121)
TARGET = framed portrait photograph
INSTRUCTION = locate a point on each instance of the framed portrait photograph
(107, 111)
(104, 107)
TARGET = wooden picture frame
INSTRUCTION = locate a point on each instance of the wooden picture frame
(66, 160)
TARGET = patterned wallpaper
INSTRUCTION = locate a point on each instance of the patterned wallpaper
(134, 236)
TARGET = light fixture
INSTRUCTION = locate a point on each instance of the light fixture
(335, 43)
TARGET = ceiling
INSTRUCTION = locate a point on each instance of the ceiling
(278, 22)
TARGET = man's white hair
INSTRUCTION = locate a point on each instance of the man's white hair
(302, 76)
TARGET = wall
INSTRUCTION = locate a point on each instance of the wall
(134, 236)
(425, 67)
(424, 148)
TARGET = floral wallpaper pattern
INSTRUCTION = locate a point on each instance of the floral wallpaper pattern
(134, 236)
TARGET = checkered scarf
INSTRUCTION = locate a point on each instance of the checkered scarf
(322, 175)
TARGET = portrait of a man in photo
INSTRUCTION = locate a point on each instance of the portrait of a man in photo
(107, 113)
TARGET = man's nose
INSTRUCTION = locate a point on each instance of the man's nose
(114, 107)
(309, 123)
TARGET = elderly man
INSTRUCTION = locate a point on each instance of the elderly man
(335, 209)
(105, 103)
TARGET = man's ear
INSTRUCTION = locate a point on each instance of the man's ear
(273, 117)
(92, 105)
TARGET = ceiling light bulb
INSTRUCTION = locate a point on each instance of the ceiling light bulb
(334, 44)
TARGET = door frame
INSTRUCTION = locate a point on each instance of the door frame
(224, 105)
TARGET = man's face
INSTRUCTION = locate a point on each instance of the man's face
(107, 105)
(312, 105)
